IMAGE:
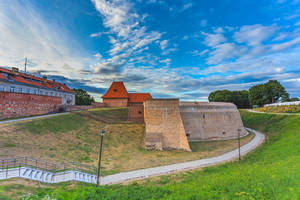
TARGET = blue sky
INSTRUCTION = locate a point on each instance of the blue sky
(184, 49)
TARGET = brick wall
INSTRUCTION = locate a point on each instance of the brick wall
(136, 112)
(19, 104)
(116, 102)
(98, 105)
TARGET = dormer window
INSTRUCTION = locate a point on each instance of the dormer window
(115, 90)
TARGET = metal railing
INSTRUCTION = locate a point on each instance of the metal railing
(18, 162)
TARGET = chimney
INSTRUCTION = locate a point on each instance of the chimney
(14, 69)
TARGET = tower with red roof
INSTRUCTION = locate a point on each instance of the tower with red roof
(117, 96)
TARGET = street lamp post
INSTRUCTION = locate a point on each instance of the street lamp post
(100, 154)
(239, 141)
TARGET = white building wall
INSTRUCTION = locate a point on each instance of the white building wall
(67, 98)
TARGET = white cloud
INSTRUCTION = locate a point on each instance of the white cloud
(98, 55)
(213, 40)
(166, 61)
(219, 30)
(96, 34)
(24, 33)
(163, 44)
(223, 52)
(178, 9)
(285, 45)
(130, 38)
(197, 53)
(169, 50)
(254, 34)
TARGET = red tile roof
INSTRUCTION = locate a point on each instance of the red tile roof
(117, 90)
(138, 97)
(33, 80)
(2, 77)
(6, 71)
(20, 79)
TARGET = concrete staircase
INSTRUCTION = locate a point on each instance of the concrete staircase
(20, 170)
(47, 177)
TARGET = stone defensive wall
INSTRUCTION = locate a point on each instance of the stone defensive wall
(211, 120)
(164, 127)
(18, 104)
(170, 124)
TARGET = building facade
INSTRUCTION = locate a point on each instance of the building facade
(117, 96)
(23, 94)
(17, 82)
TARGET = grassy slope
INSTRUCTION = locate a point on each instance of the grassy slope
(279, 109)
(75, 137)
(271, 172)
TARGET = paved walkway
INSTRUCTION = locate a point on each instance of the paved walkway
(250, 110)
(167, 169)
(31, 118)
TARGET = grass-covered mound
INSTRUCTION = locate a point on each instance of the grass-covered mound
(270, 172)
(76, 137)
(279, 109)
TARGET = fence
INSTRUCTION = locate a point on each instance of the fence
(43, 171)
(7, 163)
(294, 103)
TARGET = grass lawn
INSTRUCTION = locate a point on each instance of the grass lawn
(76, 137)
(270, 172)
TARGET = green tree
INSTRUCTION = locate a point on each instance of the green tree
(239, 98)
(285, 97)
(294, 99)
(82, 97)
(221, 96)
(267, 93)
(274, 91)
(257, 95)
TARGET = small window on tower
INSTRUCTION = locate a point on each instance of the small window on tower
(140, 112)
(115, 90)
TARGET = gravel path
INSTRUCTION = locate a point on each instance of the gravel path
(167, 169)
(30, 118)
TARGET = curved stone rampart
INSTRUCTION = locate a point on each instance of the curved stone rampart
(211, 120)
(170, 124)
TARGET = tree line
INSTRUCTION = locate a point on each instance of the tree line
(82, 97)
(256, 96)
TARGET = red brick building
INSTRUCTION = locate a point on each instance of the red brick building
(117, 96)
(23, 94)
